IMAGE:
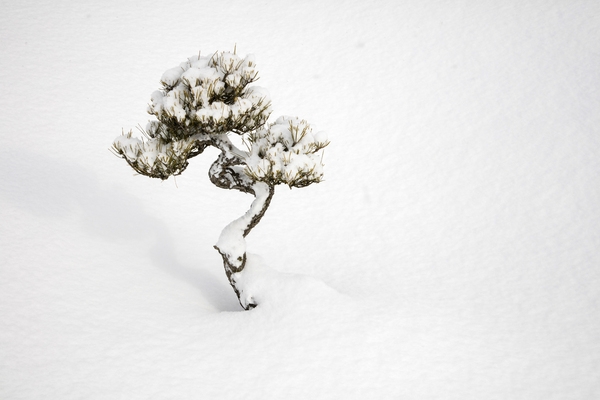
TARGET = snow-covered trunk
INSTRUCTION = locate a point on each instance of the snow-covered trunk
(232, 242)
(227, 172)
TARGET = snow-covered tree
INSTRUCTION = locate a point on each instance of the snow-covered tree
(202, 102)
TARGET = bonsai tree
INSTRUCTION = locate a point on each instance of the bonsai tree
(200, 104)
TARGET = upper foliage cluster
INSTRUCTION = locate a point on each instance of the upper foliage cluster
(209, 95)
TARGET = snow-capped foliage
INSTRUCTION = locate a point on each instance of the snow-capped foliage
(201, 98)
(156, 157)
(211, 94)
(286, 152)
(207, 97)
(201, 102)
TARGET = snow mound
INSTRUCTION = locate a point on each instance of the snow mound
(275, 291)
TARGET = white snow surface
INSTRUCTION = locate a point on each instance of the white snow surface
(452, 251)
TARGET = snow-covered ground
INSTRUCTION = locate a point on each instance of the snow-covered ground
(452, 252)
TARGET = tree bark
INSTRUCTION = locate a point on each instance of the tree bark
(227, 172)
(232, 242)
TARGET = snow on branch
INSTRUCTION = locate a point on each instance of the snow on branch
(286, 152)
(211, 95)
(156, 157)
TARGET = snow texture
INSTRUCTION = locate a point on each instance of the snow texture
(451, 252)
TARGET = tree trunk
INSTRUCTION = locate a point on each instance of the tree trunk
(232, 242)
(227, 172)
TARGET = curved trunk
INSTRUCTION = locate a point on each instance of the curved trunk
(227, 172)
(232, 242)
